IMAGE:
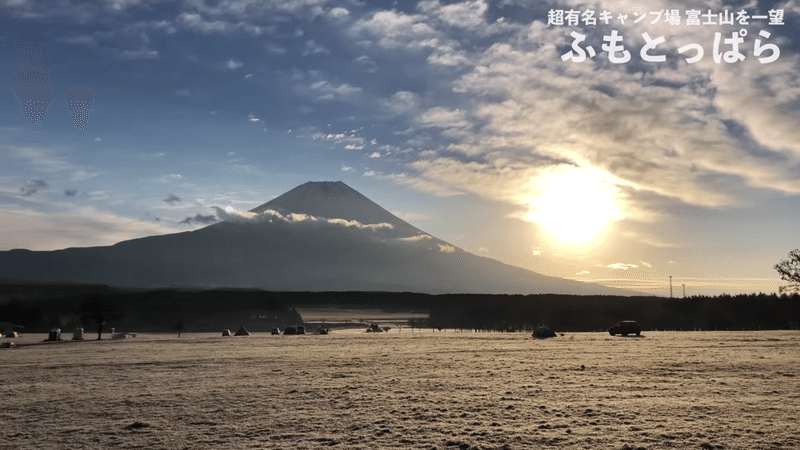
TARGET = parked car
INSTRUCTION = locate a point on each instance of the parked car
(626, 327)
(275, 331)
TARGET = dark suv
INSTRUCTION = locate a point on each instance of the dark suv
(625, 328)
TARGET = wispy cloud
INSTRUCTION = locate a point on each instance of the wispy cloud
(313, 48)
(199, 219)
(84, 226)
(31, 187)
(651, 241)
(327, 90)
(234, 64)
(622, 266)
(417, 238)
(172, 199)
(350, 140)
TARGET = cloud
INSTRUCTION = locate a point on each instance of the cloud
(172, 199)
(275, 49)
(313, 48)
(43, 159)
(622, 266)
(483, 250)
(582, 272)
(196, 22)
(350, 140)
(53, 163)
(347, 169)
(445, 248)
(359, 225)
(326, 90)
(444, 118)
(424, 185)
(70, 192)
(338, 13)
(469, 14)
(417, 238)
(402, 103)
(234, 64)
(82, 175)
(646, 264)
(31, 187)
(366, 63)
(536, 251)
(141, 54)
(232, 215)
(392, 30)
(76, 227)
(651, 241)
(700, 134)
(198, 219)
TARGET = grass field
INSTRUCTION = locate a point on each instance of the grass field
(350, 389)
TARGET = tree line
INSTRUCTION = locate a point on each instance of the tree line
(39, 307)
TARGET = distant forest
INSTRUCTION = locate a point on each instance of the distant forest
(40, 307)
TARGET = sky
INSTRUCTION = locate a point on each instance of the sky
(488, 124)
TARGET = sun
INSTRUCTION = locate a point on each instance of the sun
(575, 206)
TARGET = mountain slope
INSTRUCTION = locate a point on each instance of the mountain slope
(318, 237)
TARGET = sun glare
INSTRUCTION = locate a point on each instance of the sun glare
(575, 206)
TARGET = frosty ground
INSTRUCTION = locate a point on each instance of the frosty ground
(443, 390)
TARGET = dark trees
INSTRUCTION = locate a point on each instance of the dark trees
(94, 310)
(789, 270)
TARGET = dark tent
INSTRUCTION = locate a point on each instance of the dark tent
(543, 332)
(242, 332)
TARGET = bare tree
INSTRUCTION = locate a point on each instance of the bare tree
(789, 270)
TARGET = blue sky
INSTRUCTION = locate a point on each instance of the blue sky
(460, 117)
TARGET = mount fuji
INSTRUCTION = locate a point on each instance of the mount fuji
(319, 236)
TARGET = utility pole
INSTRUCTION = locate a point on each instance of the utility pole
(670, 286)
(684, 291)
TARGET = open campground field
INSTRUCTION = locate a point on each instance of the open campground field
(350, 389)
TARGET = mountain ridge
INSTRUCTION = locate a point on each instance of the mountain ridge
(291, 243)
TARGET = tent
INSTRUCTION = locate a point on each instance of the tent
(242, 332)
(543, 333)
